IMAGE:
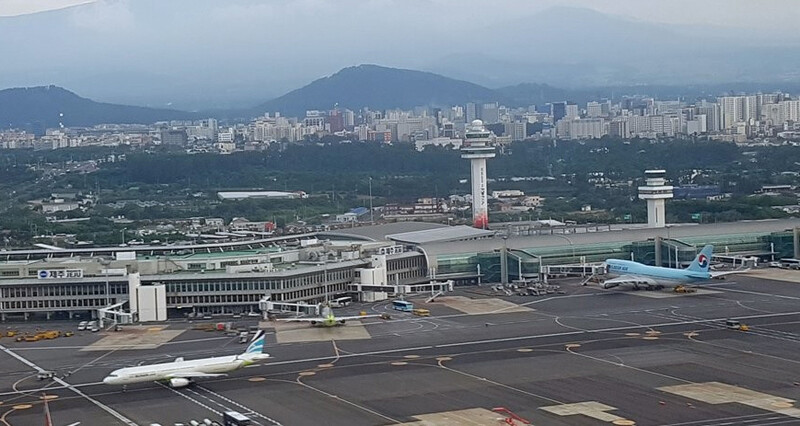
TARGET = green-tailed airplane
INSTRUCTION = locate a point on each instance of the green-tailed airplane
(328, 319)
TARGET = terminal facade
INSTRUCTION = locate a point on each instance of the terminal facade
(370, 263)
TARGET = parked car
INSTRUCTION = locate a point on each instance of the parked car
(82, 325)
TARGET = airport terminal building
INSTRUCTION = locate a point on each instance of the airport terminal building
(370, 262)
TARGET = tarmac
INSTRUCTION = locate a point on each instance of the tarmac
(586, 357)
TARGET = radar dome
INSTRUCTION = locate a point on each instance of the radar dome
(477, 123)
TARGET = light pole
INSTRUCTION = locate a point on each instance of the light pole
(105, 262)
(371, 217)
(122, 233)
(570, 243)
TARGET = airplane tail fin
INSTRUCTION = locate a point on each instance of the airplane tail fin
(702, 262)
(257, 344)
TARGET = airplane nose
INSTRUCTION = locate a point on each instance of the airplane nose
(108, 380)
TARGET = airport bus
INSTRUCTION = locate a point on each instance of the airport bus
(402, 305)
(790, 263)
(341, 302)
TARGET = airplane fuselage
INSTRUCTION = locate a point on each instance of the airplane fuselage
(167, 370)
(660, 275)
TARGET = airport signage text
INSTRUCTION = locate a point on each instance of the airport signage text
(45, 274)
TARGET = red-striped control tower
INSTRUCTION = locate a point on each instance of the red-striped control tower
(477, 147)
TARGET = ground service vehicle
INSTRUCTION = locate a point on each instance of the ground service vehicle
(790, 263)
(341, 302)
(234, 418)
(421, 312)
(402, 305)
(733, 324)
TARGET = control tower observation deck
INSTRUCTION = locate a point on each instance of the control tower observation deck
(477, 147)
(655, 192)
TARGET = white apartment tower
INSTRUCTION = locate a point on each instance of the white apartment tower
(477, 147)
(655, 192)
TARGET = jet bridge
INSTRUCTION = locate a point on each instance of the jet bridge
(114, 314)
(268, 306)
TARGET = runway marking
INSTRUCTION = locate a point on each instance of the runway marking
(99, 404)
(642, 370)
(748, 418)
(780, 296)
(521, 338)
(593, 409)
(468, 417)
(360, 407)
(189, 398)
(502, 385)
(248, 411)
(723, 393)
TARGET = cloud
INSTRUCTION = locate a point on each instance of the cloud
(25, 7)
(104, 16)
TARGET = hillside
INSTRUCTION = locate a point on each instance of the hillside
(378, 88)
(44, 106)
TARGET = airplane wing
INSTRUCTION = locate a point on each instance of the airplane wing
(355, 317)
(193, 375)
(318, 319)
(721, 275)
(632, 280)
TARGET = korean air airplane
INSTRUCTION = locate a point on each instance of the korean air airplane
(637, 275)
(180, 373)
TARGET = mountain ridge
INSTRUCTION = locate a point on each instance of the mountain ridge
(355, 87)
(52, 106)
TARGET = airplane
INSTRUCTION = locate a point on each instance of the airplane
(328, 319)
(180, 372)
(628, 272)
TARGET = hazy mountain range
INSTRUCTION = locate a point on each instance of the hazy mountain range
(355, 87)
(203, 54)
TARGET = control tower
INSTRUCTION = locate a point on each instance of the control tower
(655, 192)
(477, 147)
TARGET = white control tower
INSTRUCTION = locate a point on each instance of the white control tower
(477, 147)
(655, 192)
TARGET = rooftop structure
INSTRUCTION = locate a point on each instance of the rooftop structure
(242, 195)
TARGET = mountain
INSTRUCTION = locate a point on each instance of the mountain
(577, 47)
(49, 106)
(237, 53)
(379, 88)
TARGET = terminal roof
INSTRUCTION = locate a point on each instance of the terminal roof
(628, 235)
(380, 232)
(441, 235)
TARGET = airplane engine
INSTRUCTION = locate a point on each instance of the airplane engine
(341, 321)
(610, 285)
(313, 323)
(179, 382)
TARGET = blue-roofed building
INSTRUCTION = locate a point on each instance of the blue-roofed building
(696, 192)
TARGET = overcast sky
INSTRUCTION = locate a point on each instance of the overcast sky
(738, 13)
(201, 53)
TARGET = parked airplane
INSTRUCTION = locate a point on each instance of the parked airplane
(328, 319)
(180, 373)
(628, 272)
